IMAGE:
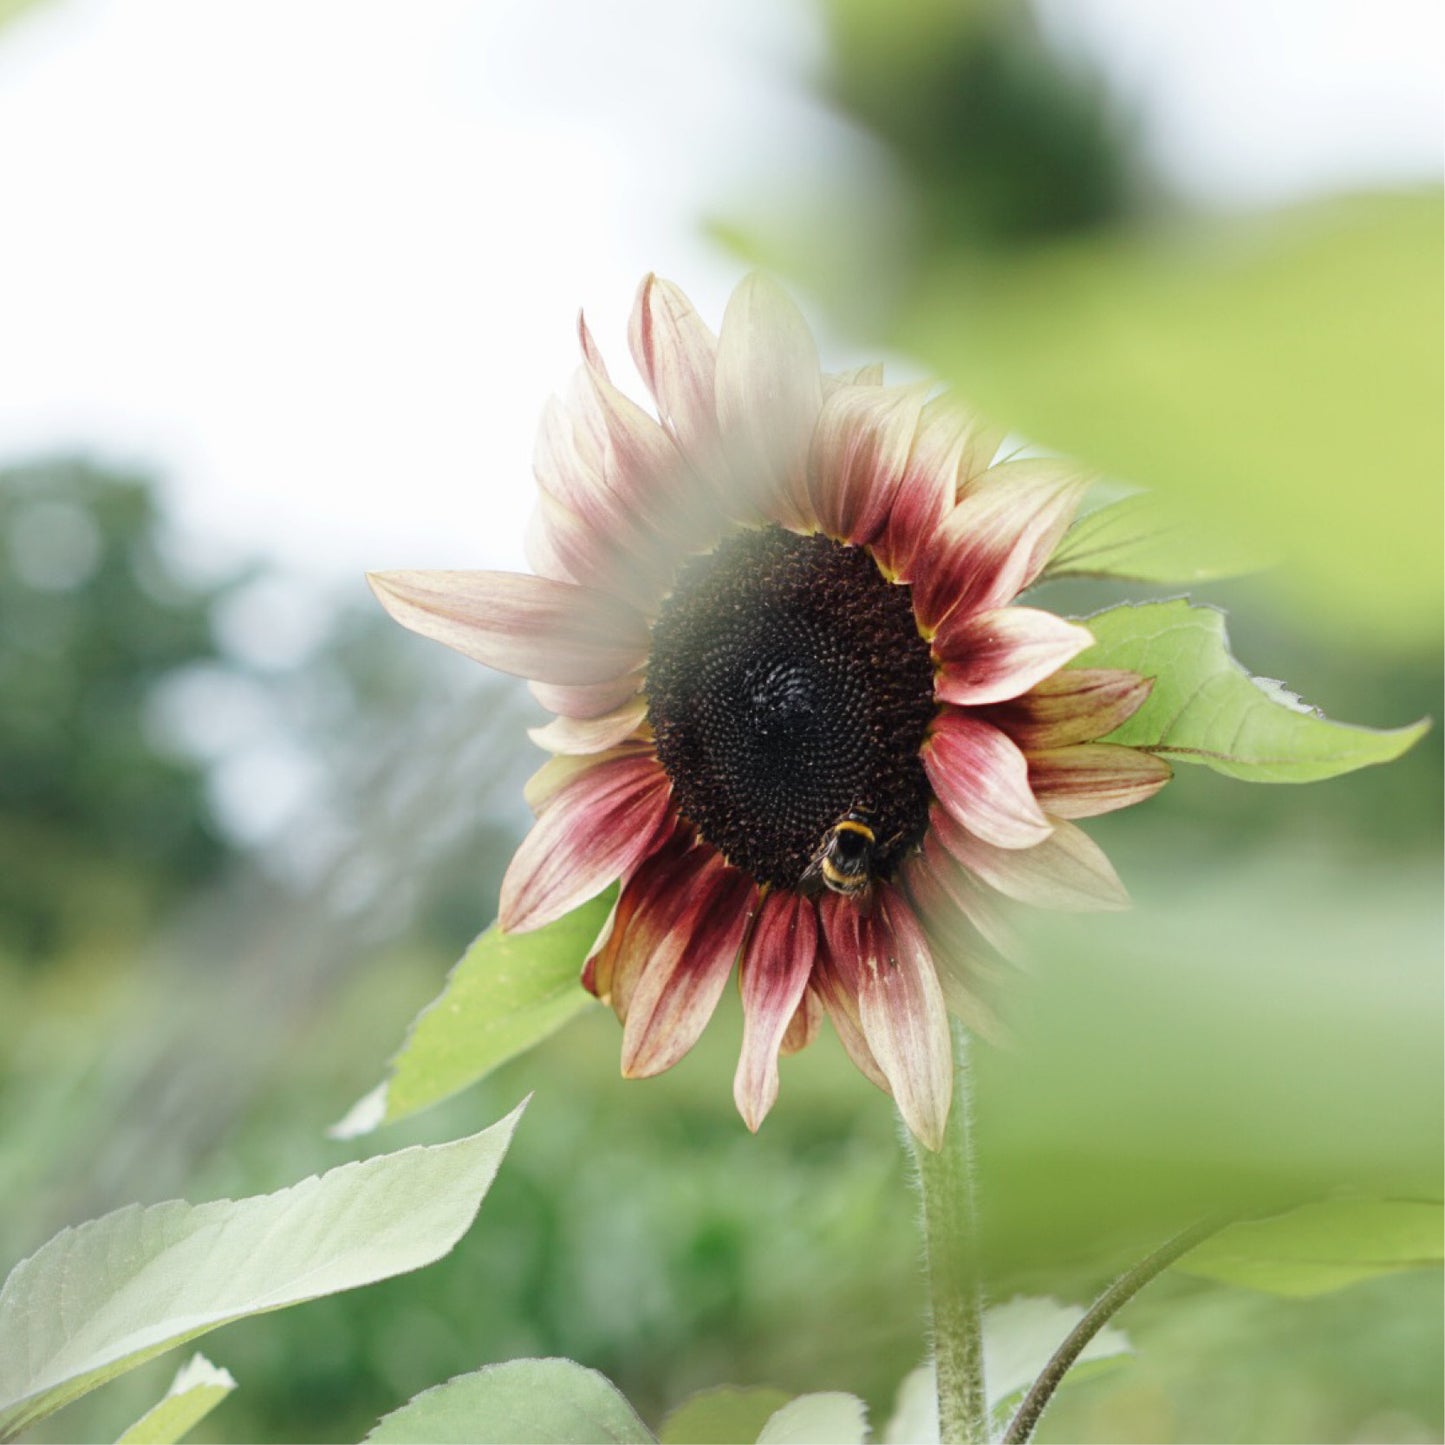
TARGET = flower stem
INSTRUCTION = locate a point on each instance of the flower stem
(950, 1228)
(1026, 1417)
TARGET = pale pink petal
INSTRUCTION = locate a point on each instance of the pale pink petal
(562, 546)
(769, 392)
(982, 779)
(803, 1026)
(1069, 871)
(869, 375)
(677, 356)
(904, 1018)
(835, 981)
(529, 626)
(991, 656)
(1092, 778)
(1075, 705)
(596, 828)
(967, 971)
(591, 735)
(595, 532)
(860, 452)
(590, 700)
(939, 886)
(773, 975)
(682, 981)
(995, 542)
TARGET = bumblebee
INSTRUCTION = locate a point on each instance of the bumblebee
(844, 860)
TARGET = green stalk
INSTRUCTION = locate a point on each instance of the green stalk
(950, 1234)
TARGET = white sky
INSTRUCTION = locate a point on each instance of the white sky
(318, 260)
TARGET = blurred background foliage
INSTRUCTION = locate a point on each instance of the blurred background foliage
(196, 986)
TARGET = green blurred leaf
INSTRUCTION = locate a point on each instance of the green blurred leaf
(508, 992)
(1205, 708)
(199, 1386)
(722, 1416)
(1323, 1246)
(828, 1418)
(1019, 1336)
(1150, 539)
(521, 1402)
(1284, 369)
(102, 1298)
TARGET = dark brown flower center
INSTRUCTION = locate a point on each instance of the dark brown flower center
(787, 686)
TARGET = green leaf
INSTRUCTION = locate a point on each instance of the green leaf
(1202, 362)
(1205, 708)
(525, 1402)
(827, 1418)
(722, 1416)
(1323, 1246)
(1148, 538)
(508, 992)
(1019, 1336)
(102, 1298)
(199, 1386)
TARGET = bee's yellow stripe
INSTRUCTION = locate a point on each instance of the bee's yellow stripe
(849, 826)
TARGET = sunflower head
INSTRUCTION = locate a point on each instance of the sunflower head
(799, 716)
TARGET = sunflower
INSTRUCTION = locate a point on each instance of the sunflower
(798, 716)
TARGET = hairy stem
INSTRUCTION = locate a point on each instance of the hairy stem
(1026, 1418)
(950, 1228)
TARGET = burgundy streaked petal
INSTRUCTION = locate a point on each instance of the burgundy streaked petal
(590, 700)
(529, 626)
(647, 905)
(1092, 778)
(682, 981)
(558, 771)
(995, 655)
(904, 1018)
(995, 542)
(836, 978)
(982, 779)
(595, 828)
(772, 977)
(803, 1026)
(860, 452)
(1075, 705)
(769, 392)
(928, 489)
(591, 735)
(677, 356)
(1068, 871)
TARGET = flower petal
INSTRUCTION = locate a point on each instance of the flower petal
(591, 735)
(803, 1026)
(967, 972)
(982, 779)
(529, 626)
(769, 392)
(589, 700)
(835, 982)
(1075, 705)
(991, 656)
(677, 356)
(597, 826)
(773, 976)
(1068, 871)
(995, 542)
(683, 979)
(1092, 778)
(647, 906)
(939, 885)
(929, 487)
(904, 1018)
(859, 456)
